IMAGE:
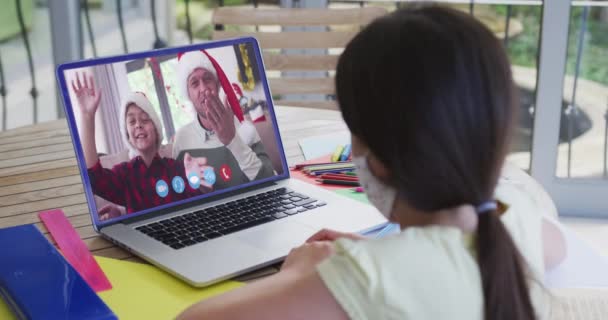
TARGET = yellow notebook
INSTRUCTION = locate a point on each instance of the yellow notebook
(141, 291)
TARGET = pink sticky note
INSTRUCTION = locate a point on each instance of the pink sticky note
(74, 249)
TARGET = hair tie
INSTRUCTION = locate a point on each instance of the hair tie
(486, 207)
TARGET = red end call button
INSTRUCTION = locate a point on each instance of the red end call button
(225, 173)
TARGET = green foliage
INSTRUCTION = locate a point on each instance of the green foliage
(594, 60)
(523, 49)
(95, 4)
(200, 15)
(9, 23)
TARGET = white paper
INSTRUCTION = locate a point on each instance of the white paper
(582, 267)
(318, 146)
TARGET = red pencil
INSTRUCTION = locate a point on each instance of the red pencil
(340, 174)
(338, 177)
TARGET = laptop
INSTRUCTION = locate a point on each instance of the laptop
(199, 196)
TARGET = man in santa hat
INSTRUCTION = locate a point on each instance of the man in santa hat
(220, 132)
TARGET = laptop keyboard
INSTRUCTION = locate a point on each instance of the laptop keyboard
(199, 226)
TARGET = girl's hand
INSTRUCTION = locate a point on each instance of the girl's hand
(332, 235)
(87, 94)
(307, 256)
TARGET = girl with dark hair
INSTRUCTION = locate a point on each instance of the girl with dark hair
(428, 96)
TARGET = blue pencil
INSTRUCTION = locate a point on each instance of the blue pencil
(345, 153)
(320, 172)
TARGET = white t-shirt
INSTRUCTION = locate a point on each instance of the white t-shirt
(430, 272)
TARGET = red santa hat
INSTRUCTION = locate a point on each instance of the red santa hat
(187, 62)
(139, 99)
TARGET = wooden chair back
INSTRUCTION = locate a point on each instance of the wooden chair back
(336, 28)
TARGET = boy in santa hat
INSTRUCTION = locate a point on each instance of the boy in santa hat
(220, 132)
(147, 180)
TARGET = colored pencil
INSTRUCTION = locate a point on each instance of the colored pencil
(338, 182)
(336, 165)
(341, 175)
(337, 153)
(303, 165)
(338, 177)
(320, 172)
(345, 153)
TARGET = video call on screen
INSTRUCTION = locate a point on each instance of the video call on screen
(168, 128)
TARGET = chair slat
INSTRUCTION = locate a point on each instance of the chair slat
(302, 85)
(293, 40)
(295, 17)
(283, 62)
(325, 104)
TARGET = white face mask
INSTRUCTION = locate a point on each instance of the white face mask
(379, 194)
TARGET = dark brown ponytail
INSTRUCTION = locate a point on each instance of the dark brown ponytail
(505, 286)
(429, 90)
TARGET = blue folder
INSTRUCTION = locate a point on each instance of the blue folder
(38, 283)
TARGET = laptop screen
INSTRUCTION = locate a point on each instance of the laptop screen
(156, 129)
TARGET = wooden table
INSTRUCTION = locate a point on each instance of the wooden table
(38, 171)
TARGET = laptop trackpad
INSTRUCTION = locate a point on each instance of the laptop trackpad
(279, 236)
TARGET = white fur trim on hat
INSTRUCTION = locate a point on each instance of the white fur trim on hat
(187, 63)
(142, 102)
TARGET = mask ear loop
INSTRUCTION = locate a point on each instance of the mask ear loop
(364, 164)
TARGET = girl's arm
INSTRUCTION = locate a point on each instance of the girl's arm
(554, 244)
(297, 292)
